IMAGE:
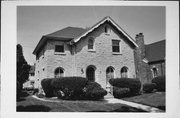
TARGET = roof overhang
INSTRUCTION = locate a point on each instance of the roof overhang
(100, 23)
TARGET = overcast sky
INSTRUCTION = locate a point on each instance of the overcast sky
(35, 21)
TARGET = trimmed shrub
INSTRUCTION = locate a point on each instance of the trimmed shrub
(46, 86)
(69, 87)
(94, 91)
(133, 84)
(121, 92)
(149, 87)
(160, 83)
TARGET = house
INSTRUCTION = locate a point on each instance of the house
(99, 53)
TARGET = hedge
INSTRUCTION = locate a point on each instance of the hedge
(121, 92)
(133, 84)
(46, 86)
(69, 87)
(160, 83)
(149, 87)
(94, 91)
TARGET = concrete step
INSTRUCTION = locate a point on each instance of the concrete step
(109, 95)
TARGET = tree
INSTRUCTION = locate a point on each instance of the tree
(22, 68)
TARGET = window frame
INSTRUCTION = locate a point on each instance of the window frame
(58, 52)
(93, 46)
(59, 69)
(119, 46)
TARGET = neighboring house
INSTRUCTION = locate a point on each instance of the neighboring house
(31, 80)
(99, 53)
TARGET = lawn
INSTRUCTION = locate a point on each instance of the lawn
(156, 99)
(30, 104)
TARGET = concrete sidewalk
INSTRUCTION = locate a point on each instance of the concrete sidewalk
(132, 104)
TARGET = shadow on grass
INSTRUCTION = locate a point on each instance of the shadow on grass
(122, 109)
(33, 108)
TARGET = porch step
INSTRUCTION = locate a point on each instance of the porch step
(109, 95)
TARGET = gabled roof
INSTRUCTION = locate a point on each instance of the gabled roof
(110, 20)
(74, 34)
(155, 51)
(65, 34)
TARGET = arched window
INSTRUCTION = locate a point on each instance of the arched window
(91, 44)
(90, 73)
(124, 72)
(155, 72)
(59, 72)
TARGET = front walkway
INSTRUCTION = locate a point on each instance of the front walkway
(113, 101)
(132, 104)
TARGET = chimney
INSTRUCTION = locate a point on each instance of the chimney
(140, 41)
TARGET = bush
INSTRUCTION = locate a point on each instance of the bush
(160, 83)
(94, 91)
(46, 86)
(69, 87)
(120, 92)
(133, 84)
(149, 87)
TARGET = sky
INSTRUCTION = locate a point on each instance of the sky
(35, 21)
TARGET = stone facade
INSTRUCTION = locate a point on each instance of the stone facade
(77, 58)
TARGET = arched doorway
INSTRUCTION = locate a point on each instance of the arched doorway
(109, 75)
(124, 72)
(90, 73)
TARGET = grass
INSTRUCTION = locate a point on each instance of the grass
(30, 104)
(156, 99)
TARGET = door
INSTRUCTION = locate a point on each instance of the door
(109, 75)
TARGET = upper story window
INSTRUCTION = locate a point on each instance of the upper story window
(59, 48)
(107, 30)
(115, 46)
(91, 44)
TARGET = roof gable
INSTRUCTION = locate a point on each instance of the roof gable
(155, 51)
(106, 19)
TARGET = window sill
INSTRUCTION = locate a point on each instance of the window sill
(116, 53)
(59, 53)
(91, 50)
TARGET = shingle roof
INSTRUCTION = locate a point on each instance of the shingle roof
(65, 34)
(68, 32)
(155, 51)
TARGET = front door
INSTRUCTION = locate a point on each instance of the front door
(109, 75)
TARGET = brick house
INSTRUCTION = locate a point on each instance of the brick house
(99, 53)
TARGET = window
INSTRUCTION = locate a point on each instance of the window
(115, 46)
(59, 72)
(124, 72)
(59, 48)
(90, 44)
(90, 73)
(155, 73)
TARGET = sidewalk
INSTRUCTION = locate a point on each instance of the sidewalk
(132, 104)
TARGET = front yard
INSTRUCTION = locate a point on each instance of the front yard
(30, 104)
(156, 99)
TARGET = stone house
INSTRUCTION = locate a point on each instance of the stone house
(99, 53)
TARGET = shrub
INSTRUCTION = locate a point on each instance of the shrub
(120, 92)
(133, 84)
(94, 91)
(149, 87)
(160, 83)
(46, 86)
(71, 87)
